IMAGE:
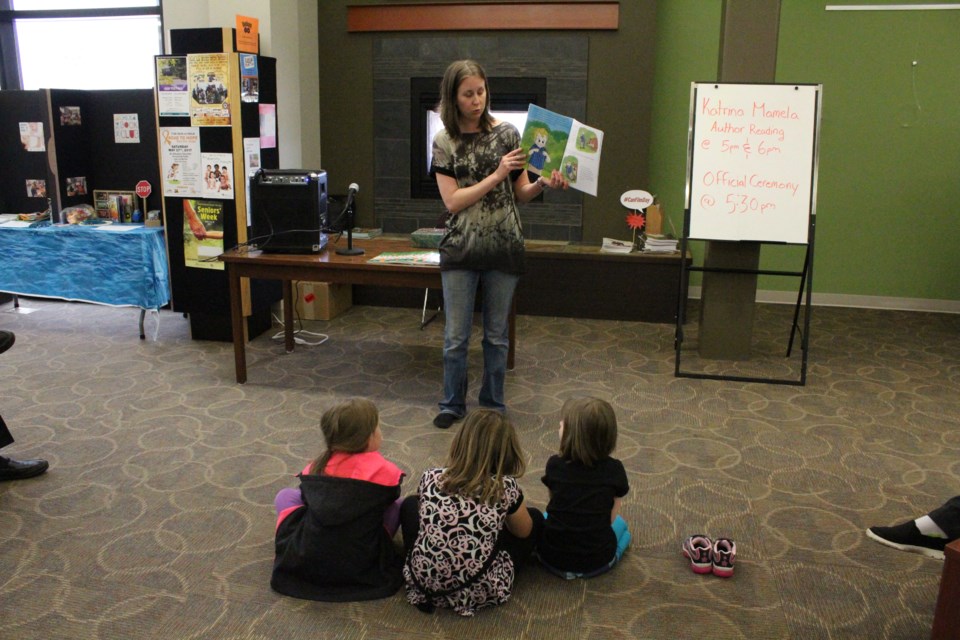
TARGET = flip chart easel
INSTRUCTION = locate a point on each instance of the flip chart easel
(752, 154)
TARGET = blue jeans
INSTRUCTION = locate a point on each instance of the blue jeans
(459, 296)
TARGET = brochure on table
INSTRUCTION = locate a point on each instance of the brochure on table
(553, 141)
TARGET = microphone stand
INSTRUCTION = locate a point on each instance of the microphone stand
(350, 250)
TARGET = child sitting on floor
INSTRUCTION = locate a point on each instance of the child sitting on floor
(582, 535)
(334, 537)
(468, 529)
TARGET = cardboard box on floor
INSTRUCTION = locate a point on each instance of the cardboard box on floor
(321, 300)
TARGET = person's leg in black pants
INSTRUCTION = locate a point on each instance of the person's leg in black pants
(928, 535)
(410, 520)
(11, 469)
(520, 549)
(947, 517)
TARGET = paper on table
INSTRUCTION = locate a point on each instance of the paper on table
(118, 228)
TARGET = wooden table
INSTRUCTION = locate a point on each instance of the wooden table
(946, 617)
(327, 266)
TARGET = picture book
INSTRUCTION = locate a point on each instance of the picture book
(553, 141)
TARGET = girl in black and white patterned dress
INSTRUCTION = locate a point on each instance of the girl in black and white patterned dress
(468, 528)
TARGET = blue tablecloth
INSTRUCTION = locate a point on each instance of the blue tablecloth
(86, 263)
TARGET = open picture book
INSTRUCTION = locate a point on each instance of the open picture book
(553, 141)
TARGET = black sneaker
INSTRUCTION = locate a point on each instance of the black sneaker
(444, 419)
(6, 340)
(906, 537)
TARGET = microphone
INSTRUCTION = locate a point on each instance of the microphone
(350, 250)
(352, 191)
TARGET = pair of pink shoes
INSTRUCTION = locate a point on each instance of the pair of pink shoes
(710, 556)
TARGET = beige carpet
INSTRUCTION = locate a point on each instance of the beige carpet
(156, 521)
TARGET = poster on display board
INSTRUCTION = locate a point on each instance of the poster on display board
(217, 175)
(126, 128)
(70, 117)
(203, 233)
(251, 164)
(173, 89)
(268, 126)
(180, 161)
(249, 78)
(209, 77)
(31, 136)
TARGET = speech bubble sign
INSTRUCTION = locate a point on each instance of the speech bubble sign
(636, 199)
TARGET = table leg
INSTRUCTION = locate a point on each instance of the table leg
(288, 341)
(236, 316)
(143, 312)
(946, 617)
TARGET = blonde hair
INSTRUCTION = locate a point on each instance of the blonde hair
(347, 428)
(589, 430)
(484, 451)
(450, 85)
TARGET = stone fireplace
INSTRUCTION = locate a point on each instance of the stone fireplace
(558, 62)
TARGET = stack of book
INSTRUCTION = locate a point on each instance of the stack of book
(616, 246)
(427, 238)
(659, 243)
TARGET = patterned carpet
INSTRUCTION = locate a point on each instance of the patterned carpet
(155, 519)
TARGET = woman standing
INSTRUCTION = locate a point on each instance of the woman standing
(478, 163)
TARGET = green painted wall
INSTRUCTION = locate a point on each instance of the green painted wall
(889, 175)
(889, 181)
(687, 50)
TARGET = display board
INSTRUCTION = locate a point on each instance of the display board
(223, 129)
(751, 161)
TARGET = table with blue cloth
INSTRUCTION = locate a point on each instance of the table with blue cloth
(87, 263)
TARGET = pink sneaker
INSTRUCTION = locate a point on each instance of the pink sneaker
(699, 549)
(724, 555)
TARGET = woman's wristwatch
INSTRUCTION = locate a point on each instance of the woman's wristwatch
(543, 184)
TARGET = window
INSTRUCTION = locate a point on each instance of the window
(79, 44)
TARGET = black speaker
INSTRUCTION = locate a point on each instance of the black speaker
(288, 210)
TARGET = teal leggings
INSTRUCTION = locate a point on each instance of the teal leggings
(623, 541)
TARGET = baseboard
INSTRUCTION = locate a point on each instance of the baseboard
(860, 302)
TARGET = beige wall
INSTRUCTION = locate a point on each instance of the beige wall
(287, 33)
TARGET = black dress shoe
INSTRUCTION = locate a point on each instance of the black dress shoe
(6, 340)
(11, 469)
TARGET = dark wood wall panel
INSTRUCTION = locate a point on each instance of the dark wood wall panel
(484, 16)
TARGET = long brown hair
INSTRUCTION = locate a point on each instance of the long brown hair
(589, 430)
(448, 109)
(484, 451)
(346, 427)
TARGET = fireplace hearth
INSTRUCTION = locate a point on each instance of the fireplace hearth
(556, 70)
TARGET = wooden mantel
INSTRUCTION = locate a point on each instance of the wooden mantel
(476, 16)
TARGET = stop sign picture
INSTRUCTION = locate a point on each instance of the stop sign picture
(143, 189)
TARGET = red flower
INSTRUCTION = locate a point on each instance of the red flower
(636, 220)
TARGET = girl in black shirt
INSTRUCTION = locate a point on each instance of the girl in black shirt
(583, 535)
